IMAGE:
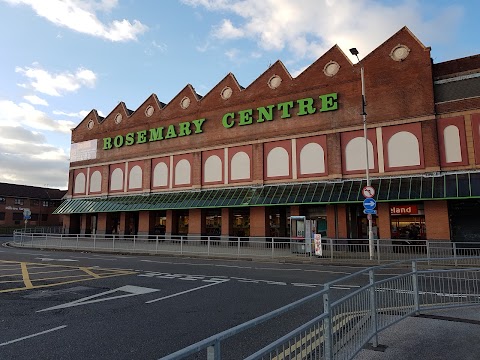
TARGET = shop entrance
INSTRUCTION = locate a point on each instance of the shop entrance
(213, 222)
(407, 222)
(160, 223)
(181, 227)
(131, 223)
(241, 222)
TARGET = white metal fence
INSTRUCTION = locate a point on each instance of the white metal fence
(386, 250)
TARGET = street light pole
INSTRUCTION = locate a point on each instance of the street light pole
(354, 52)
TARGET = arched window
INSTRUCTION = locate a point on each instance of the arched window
(278, 162)
(116, 180)
(355, 158)
(403, 150)
(183, 173)
(160, 175)
(312, 159)
(96, 182)
(212, 171)
(451, 139)
(79, 187)
(240, 166)
(135, 178)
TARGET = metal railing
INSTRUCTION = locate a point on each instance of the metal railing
(386, 250)
(348, 323)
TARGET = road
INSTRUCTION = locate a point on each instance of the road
(72, 305)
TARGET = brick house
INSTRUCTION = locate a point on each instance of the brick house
(41, 202)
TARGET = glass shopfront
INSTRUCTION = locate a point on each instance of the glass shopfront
(160, 223)
(408, 221)
(182, 225)
(213, 222)
(241, 222)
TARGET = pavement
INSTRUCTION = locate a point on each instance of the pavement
(450, 334)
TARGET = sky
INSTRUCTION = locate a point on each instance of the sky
(62, 58)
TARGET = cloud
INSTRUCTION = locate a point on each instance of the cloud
(56, 84)
(26, 158)
(308, 28)
(81, 114)
(80, 15)
(24, 114)
(226, 30)
(35, 100)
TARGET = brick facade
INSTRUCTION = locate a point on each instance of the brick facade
(270, 122)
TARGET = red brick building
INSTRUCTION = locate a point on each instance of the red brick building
(40, 201)
(241, 161)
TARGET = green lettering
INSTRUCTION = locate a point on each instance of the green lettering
(198, 125)
(107, 143)
(156, 134)
(184, 129)
(141, 137)
(225, 122)
(245, 117)
(329, 102)
(305, 106)
(118, 141)
(129, 139)
(285, 109)
(264, 114)
(171, 132)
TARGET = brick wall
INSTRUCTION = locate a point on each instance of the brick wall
(436, 220)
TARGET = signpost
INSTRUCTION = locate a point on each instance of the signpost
(27, 215)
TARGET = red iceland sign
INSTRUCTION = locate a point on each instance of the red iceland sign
(403, 210)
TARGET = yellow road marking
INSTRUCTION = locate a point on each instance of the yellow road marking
(25, 275)
(89, 272)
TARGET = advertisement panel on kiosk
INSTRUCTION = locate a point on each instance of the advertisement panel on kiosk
(301, 234)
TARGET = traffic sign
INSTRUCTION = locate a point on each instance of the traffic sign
(26, 212)
(369, 203)
(368, 191)
(370, 211)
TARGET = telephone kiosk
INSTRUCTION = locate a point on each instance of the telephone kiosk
(301, 234)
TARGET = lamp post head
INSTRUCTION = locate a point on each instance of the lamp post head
(354, 52)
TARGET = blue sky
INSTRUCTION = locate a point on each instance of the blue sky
(62, 58)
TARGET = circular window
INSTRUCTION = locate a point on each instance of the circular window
(118, 118)
(399, 52)
(331, 68)
(226, 93)
(185, 102)
(274, 82)
(90, 125)
(149, 111)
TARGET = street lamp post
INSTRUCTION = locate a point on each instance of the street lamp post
(354, 52)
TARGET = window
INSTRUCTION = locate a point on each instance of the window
(35, 202)
(17, 216)
(2, 216)
(34, 217)
(18, 201)
(44, 217)
(45, 203)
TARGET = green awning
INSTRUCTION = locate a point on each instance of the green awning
(443, 186)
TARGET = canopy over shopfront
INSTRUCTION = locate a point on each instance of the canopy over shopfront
(422, 187)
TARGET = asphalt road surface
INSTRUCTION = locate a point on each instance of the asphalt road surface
(73, 305)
